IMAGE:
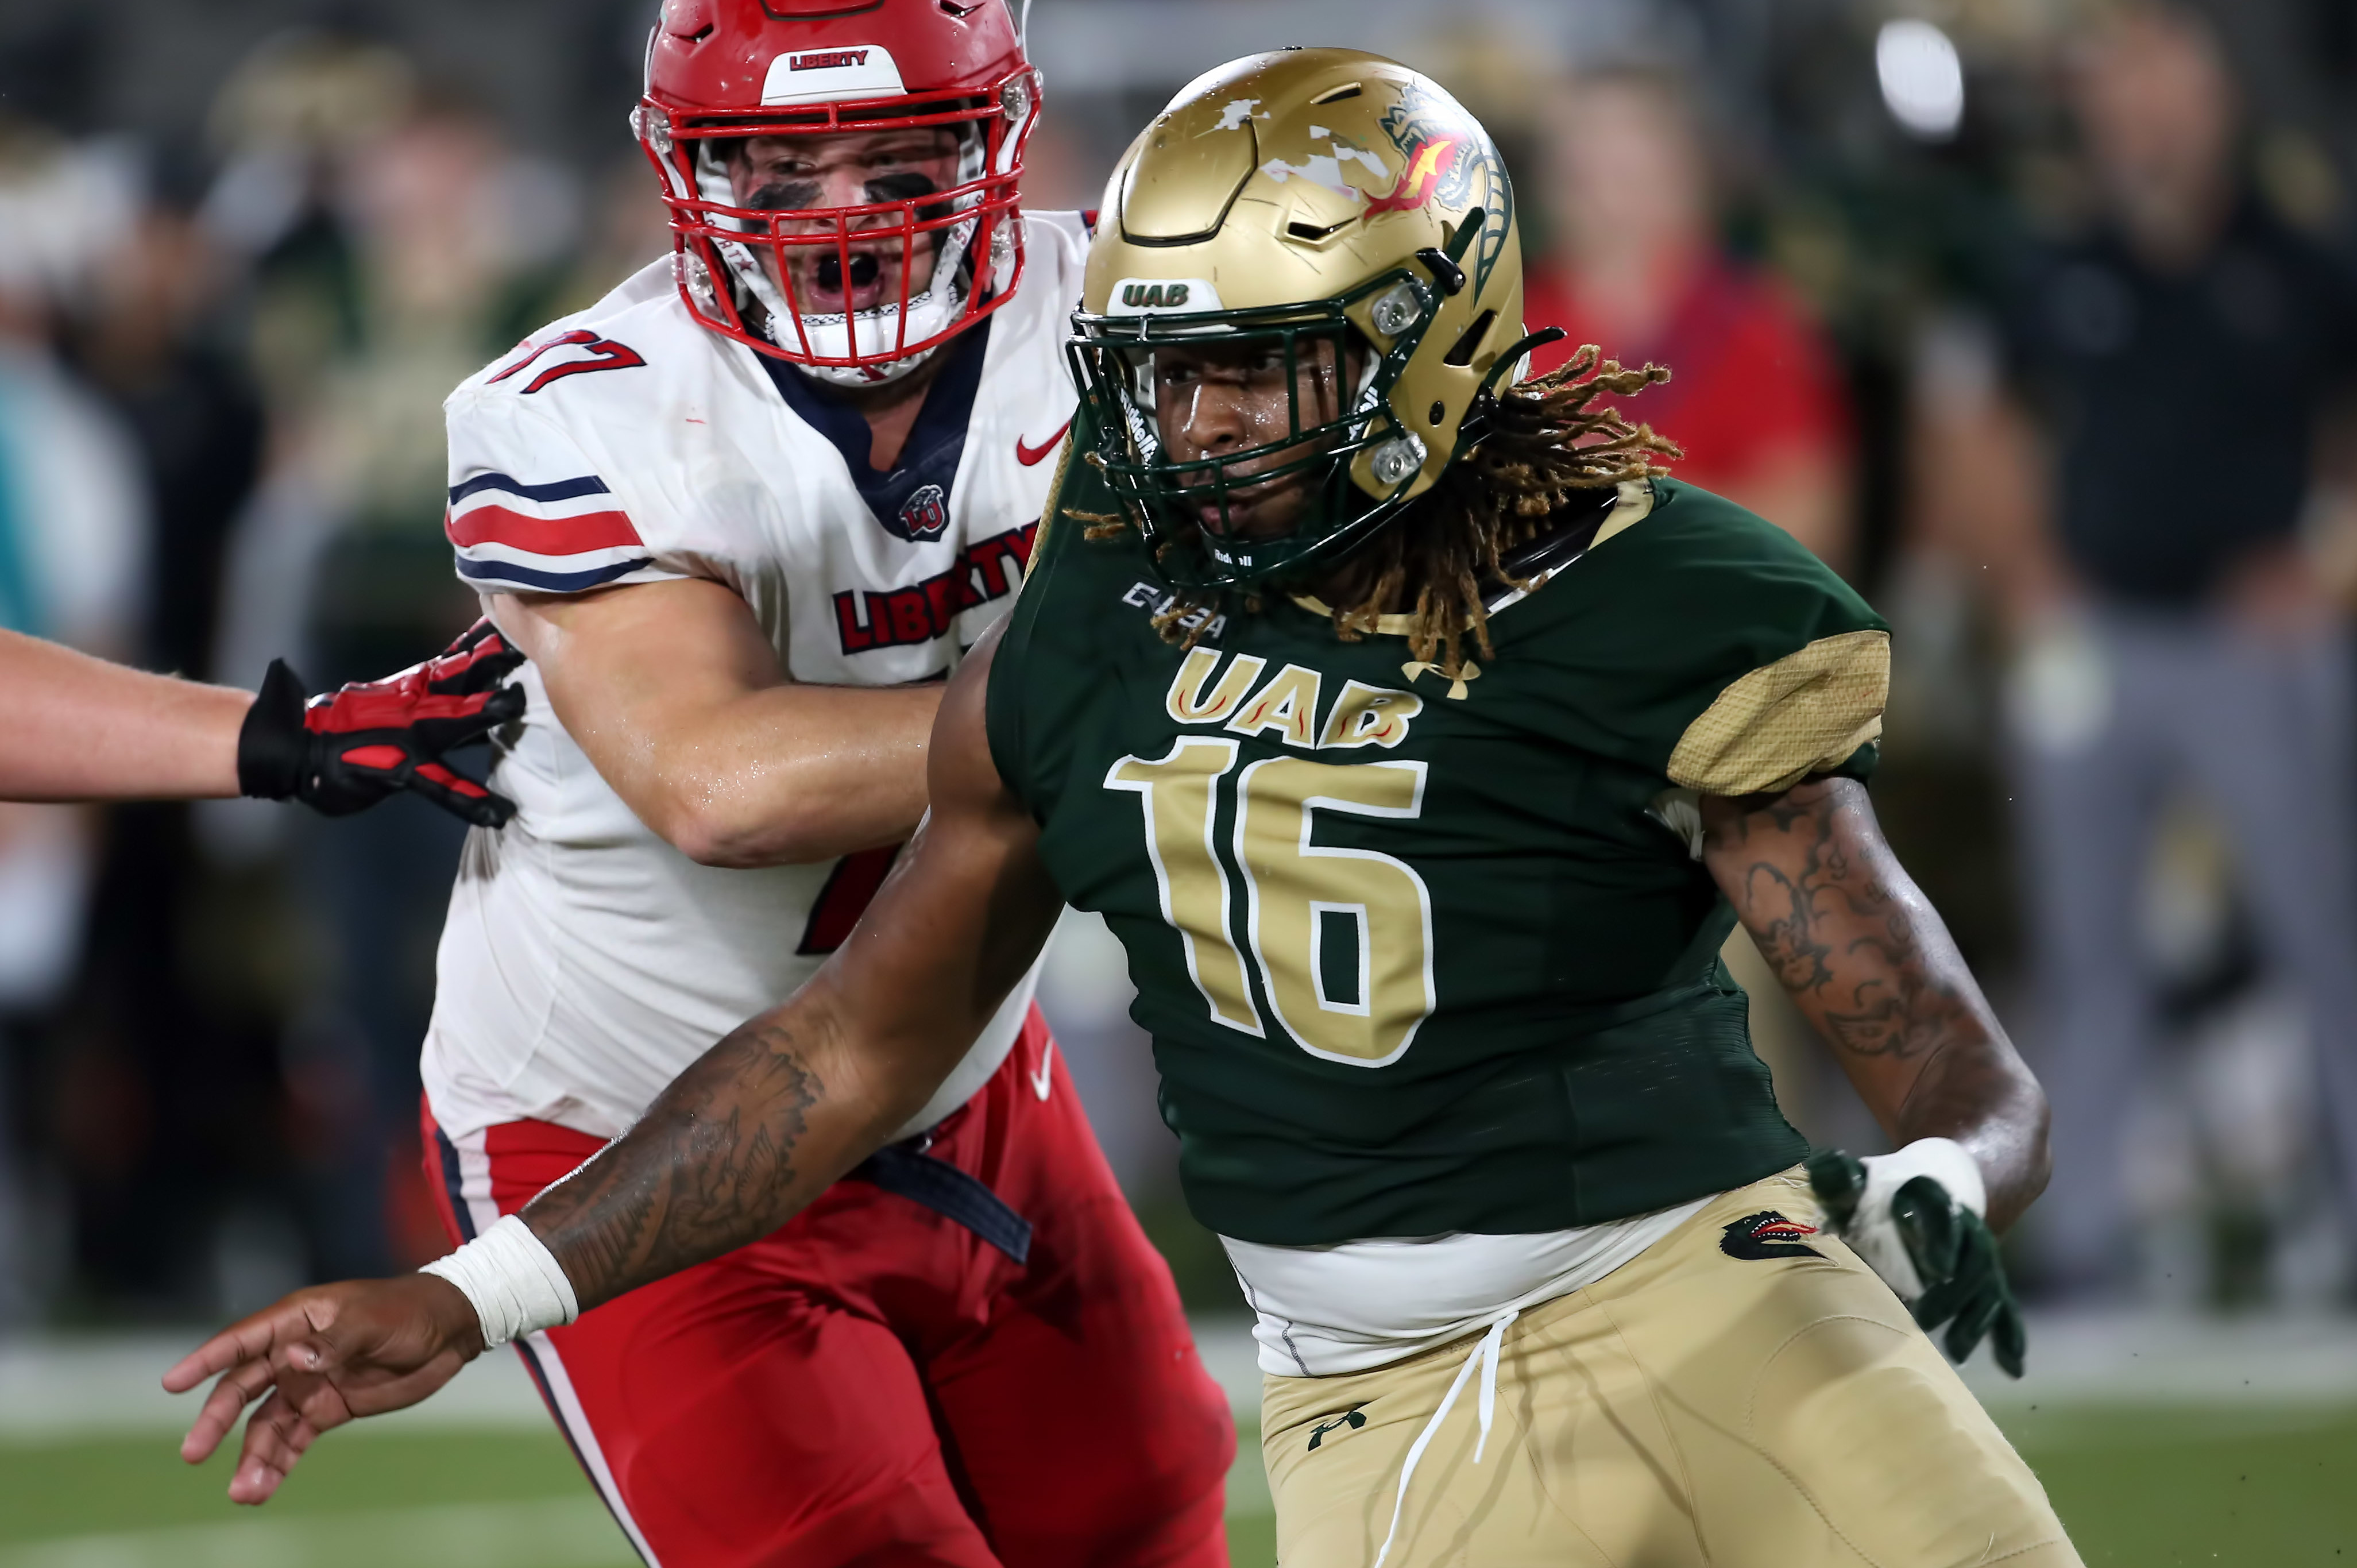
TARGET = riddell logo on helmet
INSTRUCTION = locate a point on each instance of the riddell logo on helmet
(832, 59)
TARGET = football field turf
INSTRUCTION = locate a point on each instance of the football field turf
(2257, 1486)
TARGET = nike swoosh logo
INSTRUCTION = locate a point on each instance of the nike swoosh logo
(1047, 1062)
(1028, 455)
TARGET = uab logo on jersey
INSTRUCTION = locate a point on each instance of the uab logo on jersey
(1286, 703)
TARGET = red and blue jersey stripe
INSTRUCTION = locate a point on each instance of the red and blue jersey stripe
(560, 536)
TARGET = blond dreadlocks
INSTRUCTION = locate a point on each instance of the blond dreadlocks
(1547, 439)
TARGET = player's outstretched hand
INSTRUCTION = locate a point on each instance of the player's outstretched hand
(318, 1358)
(1937, 1254)
(348, 749)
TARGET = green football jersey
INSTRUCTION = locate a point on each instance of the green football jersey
(1421, 956)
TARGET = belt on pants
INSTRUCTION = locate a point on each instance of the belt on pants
(906, 1170)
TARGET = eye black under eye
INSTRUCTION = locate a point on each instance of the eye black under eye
(905, 185)
(784, 196)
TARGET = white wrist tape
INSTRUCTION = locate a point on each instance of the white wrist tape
(513, 1280)
(1873, 1234)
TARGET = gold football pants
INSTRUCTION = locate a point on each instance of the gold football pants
(1744, 1394)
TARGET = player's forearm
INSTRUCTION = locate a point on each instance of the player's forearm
(736, 1146)
(80, 728)
(1976, 1091)
(748, 1137)
(784, 776)
(1871, 964)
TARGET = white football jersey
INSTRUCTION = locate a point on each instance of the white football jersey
(586, 961)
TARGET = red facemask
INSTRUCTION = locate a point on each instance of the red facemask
(722, 71)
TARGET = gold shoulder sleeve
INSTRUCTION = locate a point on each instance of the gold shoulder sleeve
(1802, 715)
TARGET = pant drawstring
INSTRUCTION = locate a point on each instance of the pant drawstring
(1485, 1355)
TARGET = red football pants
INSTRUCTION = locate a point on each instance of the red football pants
(873, 1383)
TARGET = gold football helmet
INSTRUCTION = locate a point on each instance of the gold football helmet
(1331, 207)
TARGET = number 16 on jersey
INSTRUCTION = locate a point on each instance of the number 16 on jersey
(1341, 938)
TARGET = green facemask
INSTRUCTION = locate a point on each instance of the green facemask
(1184, 508)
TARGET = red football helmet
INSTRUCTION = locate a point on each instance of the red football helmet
(718, 70)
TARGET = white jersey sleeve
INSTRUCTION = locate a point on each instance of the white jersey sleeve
(530, 510)
(578, 458)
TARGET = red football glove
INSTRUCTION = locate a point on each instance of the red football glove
(345, 751)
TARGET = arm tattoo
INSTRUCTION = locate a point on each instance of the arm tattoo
(1862, 953)
(1843, 933)
(710, 1167)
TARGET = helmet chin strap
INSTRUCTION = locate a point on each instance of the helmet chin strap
(841, 335)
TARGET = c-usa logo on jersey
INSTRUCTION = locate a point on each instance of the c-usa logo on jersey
(923, 515)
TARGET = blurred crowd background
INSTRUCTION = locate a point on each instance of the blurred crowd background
(2036, 318)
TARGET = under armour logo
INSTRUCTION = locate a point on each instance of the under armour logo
(1350, 1418)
